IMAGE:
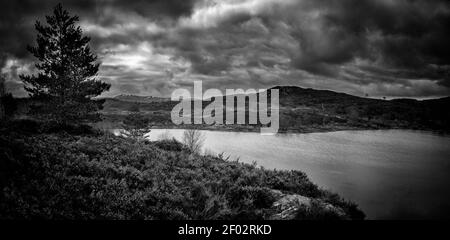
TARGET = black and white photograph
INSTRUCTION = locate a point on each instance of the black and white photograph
(259, 110)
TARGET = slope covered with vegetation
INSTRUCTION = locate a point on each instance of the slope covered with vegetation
(74, 172)
(301, 110)
(308, 110)
(323, 108)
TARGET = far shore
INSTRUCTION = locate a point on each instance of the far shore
(256, 129)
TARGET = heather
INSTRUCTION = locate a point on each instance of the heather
(76, 172)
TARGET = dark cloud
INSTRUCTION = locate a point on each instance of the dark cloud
(17, 21)
(392, 48)
(17, 17)
(410, 36)
(155, 8)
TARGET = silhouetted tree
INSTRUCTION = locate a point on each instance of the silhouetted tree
(67, 70)
(8, 104)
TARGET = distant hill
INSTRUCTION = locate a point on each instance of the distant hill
(298, 95)
(306, 110)
(124, 104)
(364, 112)
(140, 99)
(310, 110)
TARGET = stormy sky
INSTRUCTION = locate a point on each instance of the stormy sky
(379, 48)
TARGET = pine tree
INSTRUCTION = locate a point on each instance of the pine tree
(67, 70)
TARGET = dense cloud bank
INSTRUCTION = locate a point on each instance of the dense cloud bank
(379, 48)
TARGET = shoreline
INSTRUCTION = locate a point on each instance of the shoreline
(290, 131)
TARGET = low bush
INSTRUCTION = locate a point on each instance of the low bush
(59, 175)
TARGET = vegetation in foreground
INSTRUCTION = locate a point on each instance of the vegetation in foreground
(74, 172)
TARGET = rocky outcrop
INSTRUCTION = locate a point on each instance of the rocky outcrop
(294, 206)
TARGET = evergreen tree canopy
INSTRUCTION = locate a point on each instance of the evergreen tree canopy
(67, 69)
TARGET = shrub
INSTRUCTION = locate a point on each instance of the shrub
(170, 145)
(193, 139)
(102, 176)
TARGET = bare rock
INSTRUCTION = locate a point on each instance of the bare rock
(288, 207)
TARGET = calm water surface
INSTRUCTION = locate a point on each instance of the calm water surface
(389, 173)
